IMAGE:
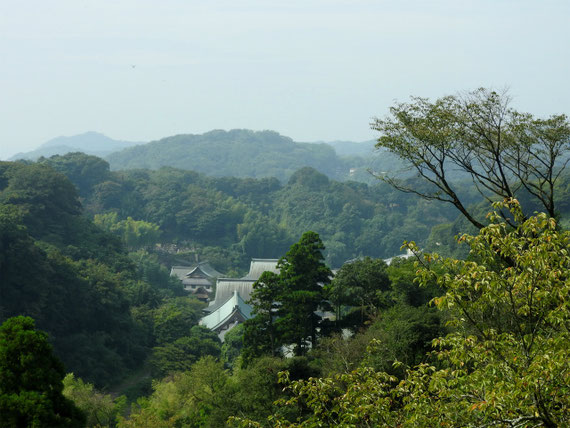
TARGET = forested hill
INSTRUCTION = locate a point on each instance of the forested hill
(241, 153)
(228, 220)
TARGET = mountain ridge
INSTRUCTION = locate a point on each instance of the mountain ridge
(91, 143)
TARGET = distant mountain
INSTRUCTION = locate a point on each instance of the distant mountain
(92, 143)
(351, 148)
(237, 153)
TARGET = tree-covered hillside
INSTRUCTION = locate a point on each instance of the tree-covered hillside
(101, 307)
(229, 220)
(236, 153)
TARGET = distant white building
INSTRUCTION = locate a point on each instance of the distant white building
(408, 254)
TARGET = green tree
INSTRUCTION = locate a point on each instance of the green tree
(175, 318)
(84, 171)
(503, 151)
(362, 283)
(31, 379)
(101, 409)
(134, 233)
(233, 345)
(200, 397)
(181, 354)
(303, 274)
(260, 332)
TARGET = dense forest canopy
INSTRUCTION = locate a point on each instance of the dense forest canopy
(256, 217)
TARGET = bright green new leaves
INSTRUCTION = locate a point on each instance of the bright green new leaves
(101, 409)
(134, 233)
(509, 357)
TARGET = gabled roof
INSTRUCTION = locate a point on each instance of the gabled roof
(202, 269)
(258, 266)
(226, 287)
(233, 307)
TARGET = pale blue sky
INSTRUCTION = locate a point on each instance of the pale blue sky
(311, 70)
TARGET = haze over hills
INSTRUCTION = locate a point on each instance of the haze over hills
(238, 153)
(352, 148)
(91, 143)
(246, 153)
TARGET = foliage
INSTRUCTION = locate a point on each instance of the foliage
(31, 379)
(260, 332)
(156, 274)
(207, 394)
(303, 274)
(182, 353)
(73, 278)
(175, 318)
(361, 283)
(506, 362)
(134, 233)
(402, 334)
(228, 220)
(504, 152)
(285, 305)
(83, 170)
(237, 153)
(195, 398)
(232, 346)
(100, 409)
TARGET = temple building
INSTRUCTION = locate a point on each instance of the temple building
(229, 307)
(198, 279)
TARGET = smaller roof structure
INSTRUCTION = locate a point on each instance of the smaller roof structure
(258, 266)
(202, 268)
(196, 279)
(232, 312)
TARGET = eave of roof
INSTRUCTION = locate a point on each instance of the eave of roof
(235, 304)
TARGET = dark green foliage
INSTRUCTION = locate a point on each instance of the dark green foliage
(73, 278)
(174, 319)
(362, 284)
(310, 178)
(233, 344)
(47, 199)
(303, 274)
(404, 334)
(405, 289)
(229, 220)
(285, 305)
(260, 332)
(183, 352)
(156, 275)
(31, 379)
(85, 171)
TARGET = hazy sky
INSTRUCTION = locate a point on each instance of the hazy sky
(311, 69)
